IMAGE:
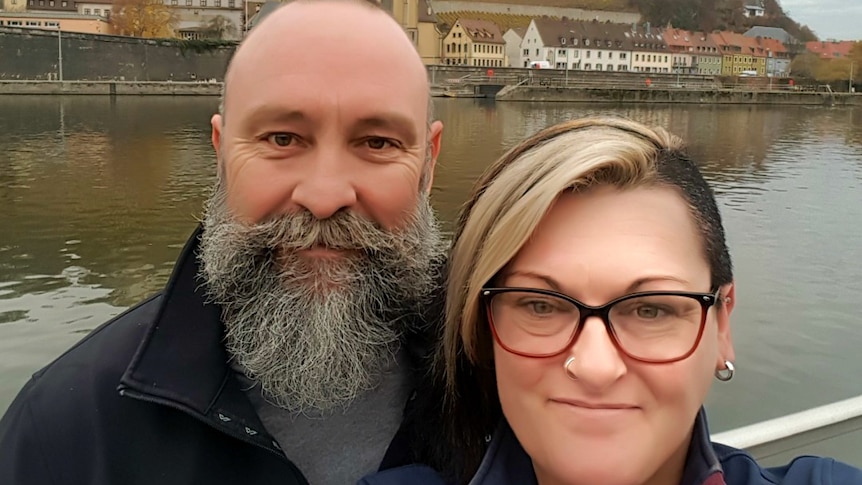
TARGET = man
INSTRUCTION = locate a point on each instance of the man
(288, 341)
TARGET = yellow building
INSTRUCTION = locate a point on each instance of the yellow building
(741, 55)
(472, 42)
(417, 19)
(12, 6)
(65, 21)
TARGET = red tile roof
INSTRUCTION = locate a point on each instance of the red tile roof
(830, 50)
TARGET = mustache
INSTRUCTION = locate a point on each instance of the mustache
(344, 230)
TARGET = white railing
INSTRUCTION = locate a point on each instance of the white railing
(797, 432)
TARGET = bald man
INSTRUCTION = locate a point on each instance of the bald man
(290, 338)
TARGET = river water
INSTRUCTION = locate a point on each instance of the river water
(99, 195)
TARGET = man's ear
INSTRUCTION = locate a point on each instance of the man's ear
(216, 122)
(435, 134)
(725, 308)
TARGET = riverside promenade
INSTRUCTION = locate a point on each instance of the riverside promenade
(500, 89)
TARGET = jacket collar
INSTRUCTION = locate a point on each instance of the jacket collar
(182, 362)
(506, 462)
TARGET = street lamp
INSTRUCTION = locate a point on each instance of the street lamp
(59, 53)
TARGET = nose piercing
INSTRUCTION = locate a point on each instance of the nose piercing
(569, 372)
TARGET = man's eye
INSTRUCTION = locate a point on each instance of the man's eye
(281, 139)
(378, 143)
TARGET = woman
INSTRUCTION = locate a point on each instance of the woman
(588, 312)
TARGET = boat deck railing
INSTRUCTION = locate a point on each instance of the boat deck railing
(801, 432)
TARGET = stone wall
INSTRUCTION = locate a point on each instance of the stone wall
(716, 96)
(32, 54)
(112, 88)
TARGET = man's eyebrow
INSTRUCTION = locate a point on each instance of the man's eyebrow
(397, 122)
(270, 114)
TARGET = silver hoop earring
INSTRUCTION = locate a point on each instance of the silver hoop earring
(569, 372)
(725, 374)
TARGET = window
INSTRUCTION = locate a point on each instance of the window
(50, 3)
(588, 54)
(64, 3)
(97, 11)
(637, 57)
(86, 11)
(598, 67)
(526, 52)
(31, 23)
(622, 55)
(610, 55)
(41, 3)
(599, 55)
(610, 67)
(217, 3)
(188, 3)
(174, 3)
(537, 52)
(107, 12)
(231, 3)
(203, 3)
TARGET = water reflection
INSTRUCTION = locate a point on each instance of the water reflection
(99, 196)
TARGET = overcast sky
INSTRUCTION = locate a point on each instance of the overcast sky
(829, 19)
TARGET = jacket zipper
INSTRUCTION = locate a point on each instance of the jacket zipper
(124, 391)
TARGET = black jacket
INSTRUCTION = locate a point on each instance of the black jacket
(149, 398)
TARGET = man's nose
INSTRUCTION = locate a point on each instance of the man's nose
(326, 186)
(598, 363)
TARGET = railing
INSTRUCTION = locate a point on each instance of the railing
(798, 433)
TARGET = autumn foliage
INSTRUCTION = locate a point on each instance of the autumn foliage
(143, 18)
(829, 70)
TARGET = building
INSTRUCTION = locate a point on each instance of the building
(472, 42)
(776, 33)
(48, 5)
(513, 38)
(741, 55)
(101, 8)
(577, 45)
(830, 49)
(777, 58)
(419, 22)
(754, 9)
(681, 46)
(13, 5)
(429, 39)
(650, 52)
(64, 21)
(707, 57)
(198, 19)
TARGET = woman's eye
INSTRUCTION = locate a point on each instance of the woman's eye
(648, 312)
(281, 139)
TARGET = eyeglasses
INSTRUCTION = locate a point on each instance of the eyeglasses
(654, 327)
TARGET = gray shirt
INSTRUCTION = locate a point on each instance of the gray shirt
(343, 447)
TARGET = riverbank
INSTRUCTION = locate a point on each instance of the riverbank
(111, 88)
(578, 94)
(676, 96)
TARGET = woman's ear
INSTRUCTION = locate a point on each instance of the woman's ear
(724, 308)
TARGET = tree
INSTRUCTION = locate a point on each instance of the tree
(806, 65)
(143, 18)
(219, 27)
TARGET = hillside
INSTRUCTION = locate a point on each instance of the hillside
(709, 15)
(700, 15)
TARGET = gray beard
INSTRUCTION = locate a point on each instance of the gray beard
(316, 333)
